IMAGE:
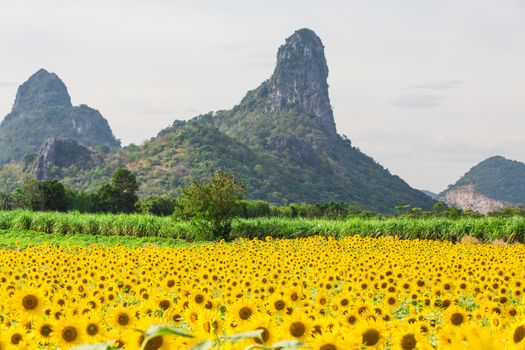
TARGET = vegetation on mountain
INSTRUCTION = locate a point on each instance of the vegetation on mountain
(497, 178)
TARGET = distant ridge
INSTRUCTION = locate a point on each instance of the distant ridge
(494, 183)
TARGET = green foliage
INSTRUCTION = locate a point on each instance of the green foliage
(47, 195)
(330, 210)
(5, 201)
(157, 205)
(486, 229)
(210, 205)
(508, 212)
(119, 196)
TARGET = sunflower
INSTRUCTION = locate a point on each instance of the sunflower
(242, 310)
(266, 325)
(16, 336)
(296, 327)
(121, 317)
(332, 339)
(455, 316)
(29, 302)
(516, 336)
(372, 333)
(408, 336)
(94, 327)
(42, 330)
(277, 305)
(68, 332)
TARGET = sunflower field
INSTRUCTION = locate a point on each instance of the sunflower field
(312, 293)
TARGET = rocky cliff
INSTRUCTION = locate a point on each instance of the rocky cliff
(300, 79)
(466, 197)
(57, 155)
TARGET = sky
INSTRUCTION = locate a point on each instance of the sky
(428, 88)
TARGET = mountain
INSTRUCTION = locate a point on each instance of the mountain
(430, 194)
(281, 139)
(43, 109)
(494, 183)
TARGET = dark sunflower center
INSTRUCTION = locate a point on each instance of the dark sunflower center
(16, 338)
(352, 319)
(245, 313)
(164, 304)
(29, 302)
(45, 330)
(199, 298)
(154, 343)
(69, 334)
(408, 342)
(344, 302)
(370, 337)
(457, 318)
(519, 334)
(328, 347)
(265, 335)
(92, 329)
(123, 319)
(279, 305)
(297, 329)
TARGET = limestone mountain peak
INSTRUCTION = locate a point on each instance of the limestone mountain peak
(42, 89)
(300, 78)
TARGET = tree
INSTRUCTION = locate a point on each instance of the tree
(5, 201)
(47, 195)
(120, 195)
(210, 205)
(157, 205)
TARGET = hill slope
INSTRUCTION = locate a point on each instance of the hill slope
(494, 183)
(43, 109)
(281, 138)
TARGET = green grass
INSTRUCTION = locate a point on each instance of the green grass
(21, 239)
(486, 229)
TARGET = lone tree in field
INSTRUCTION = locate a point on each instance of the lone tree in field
(210, 205)
(120, 195)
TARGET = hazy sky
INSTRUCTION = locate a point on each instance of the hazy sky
(428, 88)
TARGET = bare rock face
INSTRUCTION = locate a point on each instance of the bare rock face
(300, 78)
(58, 154)
(466, 197)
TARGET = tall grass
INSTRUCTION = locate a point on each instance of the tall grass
(485, 229)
